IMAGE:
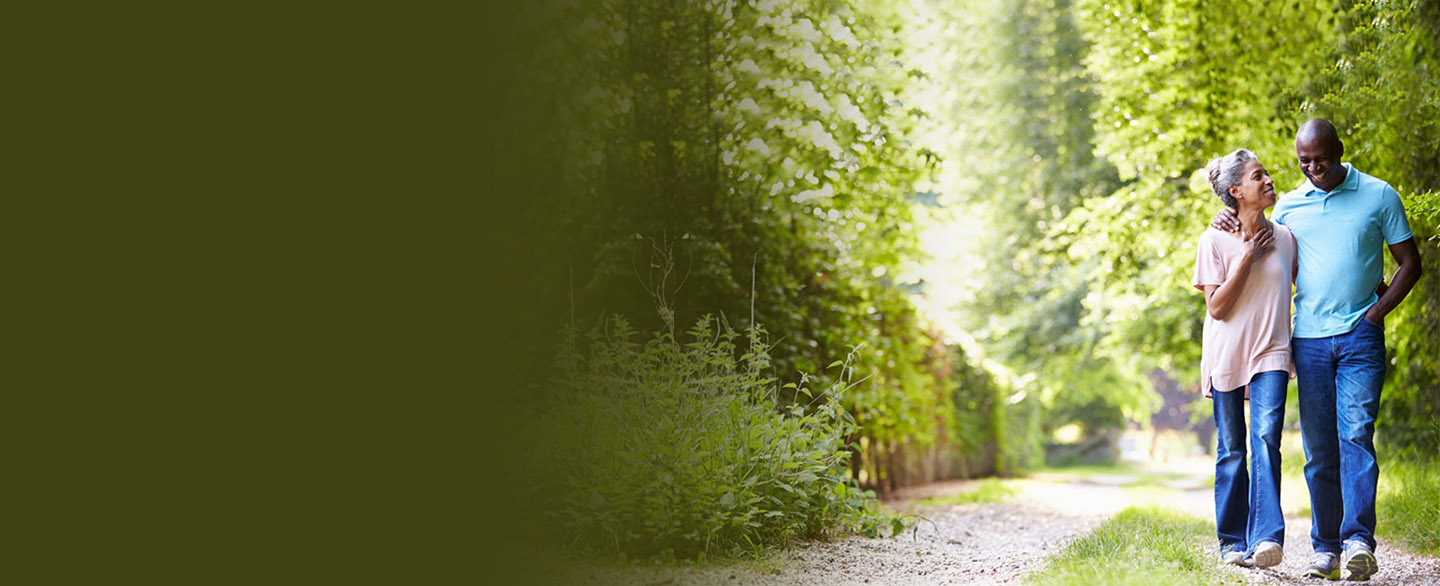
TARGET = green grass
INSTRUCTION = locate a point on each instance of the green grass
(1136, 476)
(1140, 547)
(1408, 503)
(1160, 479)
(1294, 494)
(1117, 468)
(990, 490)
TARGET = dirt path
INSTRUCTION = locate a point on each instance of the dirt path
(995, 543)
(998, 543)
(969, 544)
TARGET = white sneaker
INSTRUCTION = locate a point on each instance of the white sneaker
(1267, 554)
(1359, 562)
(1324, 565)
(1234, 557)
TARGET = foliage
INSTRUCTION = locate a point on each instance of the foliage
(1017, 151)
(1139, 546)
(993, 418)
(754, 160)
(666, 448)
(1018, 437)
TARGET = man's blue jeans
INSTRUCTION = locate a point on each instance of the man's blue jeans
(1340, 380)
(1248, 513)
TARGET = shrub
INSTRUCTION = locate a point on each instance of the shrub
(669, 449)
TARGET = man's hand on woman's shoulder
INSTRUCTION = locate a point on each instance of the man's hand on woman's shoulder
(1226, 221)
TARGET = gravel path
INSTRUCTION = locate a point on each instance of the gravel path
(1397, 567)
(969, 544)
(998, 543)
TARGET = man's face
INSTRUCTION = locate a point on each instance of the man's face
(1320, 162)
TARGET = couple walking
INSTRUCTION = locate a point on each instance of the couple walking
(1326, 239)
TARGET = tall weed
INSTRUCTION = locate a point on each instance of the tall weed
(675, 449)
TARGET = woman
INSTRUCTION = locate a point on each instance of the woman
(1246, 278)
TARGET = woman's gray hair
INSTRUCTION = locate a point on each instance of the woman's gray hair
(1225, 173)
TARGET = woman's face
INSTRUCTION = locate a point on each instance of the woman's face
(1256, 189)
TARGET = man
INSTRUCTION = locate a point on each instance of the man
(1340, 219)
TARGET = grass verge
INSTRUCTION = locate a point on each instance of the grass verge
(1139, 547)
(1409, 503)
(990, 490)
(1124, 474)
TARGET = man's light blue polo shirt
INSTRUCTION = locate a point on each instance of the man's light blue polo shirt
(1341, 234)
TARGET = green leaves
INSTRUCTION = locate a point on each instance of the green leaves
(668, 448)
(777, 139)
(897, 526)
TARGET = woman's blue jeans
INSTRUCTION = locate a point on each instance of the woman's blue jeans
(1340, 380)
(1248, 513)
